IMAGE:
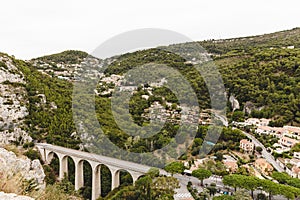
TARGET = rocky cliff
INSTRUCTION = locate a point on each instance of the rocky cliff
(12, 166)
(11, 196)
(13, 103)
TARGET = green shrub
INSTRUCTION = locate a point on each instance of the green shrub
(32, 154)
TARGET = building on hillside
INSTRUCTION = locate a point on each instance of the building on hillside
(263, 166)
(288, 142)
(264, 122)
(246, 145)
(279, 131)
(264, 130)
(295, 172)
(281, 162)
(198, 163)
(296, 155)
(231, 165)
(292, 131)
(268, 130)
(295, 162)
(257, 122)
(253, 121)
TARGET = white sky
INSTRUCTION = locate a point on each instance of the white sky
(34, 28)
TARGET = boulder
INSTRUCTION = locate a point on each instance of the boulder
(234, 103)
(11, 196)
(11, 165)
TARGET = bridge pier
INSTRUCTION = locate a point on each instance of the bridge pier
(115, 179)
(96, 180)
(79, 180)
(63, 166)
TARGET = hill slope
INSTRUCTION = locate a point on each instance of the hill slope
(256, 74)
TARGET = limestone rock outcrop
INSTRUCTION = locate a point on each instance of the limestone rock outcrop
(11, 165)
(12, 103)
(234, 103)
(11, 196)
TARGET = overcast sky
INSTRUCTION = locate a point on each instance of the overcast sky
(34, 28)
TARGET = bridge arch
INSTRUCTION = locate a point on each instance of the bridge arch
(117, 176)
(62, 162)
(124, 177)
(97, 164)
(106, 179)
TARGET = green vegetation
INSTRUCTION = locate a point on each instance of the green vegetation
(66, 57)
(275, 40)
(45, 123)
(59, 191)
(225, 197)
(151, 186)
(252, 183)
(268, 78)
(32, 154)
(175, 167)
(3, 65)
(201, 174)
(216, 167)
(267, 140)
(258, 149)
(296, 148)
(284, 178)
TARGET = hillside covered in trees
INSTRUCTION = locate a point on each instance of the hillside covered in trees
(261, 72)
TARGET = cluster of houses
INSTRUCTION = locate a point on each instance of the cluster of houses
(291, 165)
(259, 167)
(288, 137)
(260, 164)
(157, 112)
(61, 71)
(69, 72)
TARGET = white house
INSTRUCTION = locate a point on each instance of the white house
(288, 142)
(292, 131)
(257, 122)
(246, 145)
(265, 130)
(296, 155)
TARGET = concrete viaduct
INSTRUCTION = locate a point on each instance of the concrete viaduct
(47, 152)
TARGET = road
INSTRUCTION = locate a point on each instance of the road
(264, 152)
(223, 119)
(183, 193)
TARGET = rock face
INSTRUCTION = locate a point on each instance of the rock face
(249, 107)
(12, 102)
(234, 103)
(10, 196)
(11, 165)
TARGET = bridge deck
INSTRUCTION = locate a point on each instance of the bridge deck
(97, 158)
